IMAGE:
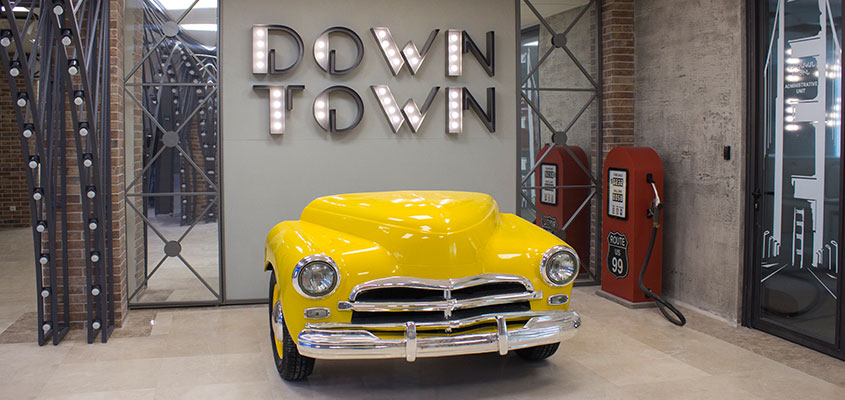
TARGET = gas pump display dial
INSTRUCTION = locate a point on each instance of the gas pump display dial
(617, 193)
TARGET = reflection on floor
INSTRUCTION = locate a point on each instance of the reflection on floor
(17, 278)
(800, 298)
(174, 281)
(224, 353)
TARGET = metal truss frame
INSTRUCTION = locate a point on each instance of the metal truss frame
(526, 92)
(56, 58)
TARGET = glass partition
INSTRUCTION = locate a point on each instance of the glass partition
(171, 120)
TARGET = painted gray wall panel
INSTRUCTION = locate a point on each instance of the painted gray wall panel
(689, 103)
(270, 179)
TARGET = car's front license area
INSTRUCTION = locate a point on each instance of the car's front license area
(405, 317)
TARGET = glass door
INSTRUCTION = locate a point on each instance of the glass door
(797, 189)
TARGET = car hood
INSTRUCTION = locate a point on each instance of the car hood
(416, 227)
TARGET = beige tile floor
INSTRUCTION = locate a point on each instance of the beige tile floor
(221, 353)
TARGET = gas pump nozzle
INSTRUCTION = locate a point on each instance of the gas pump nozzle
(656, 204)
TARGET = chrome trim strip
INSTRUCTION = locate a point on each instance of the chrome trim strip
(410, 341)
(308, 260)
(451, 324)
(552, 251)
(441, 305)
(502, 334)
(439, 284)
(278, 327)
(546, 328)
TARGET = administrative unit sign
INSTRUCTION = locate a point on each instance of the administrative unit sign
(617, 193)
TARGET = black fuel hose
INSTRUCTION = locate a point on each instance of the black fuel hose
(662, 304)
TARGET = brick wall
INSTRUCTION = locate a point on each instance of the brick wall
(118, 161)
(14, 192)
(617, 74)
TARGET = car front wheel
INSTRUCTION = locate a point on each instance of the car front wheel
(291, 365)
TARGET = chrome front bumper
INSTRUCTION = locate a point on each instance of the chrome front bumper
(357, 342)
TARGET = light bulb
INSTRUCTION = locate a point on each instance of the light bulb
(58, 9)
(45, 293)
(95, 291)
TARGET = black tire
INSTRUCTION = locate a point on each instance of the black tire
(538, 353)
(292, 366)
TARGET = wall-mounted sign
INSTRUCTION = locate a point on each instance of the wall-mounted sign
(458, 99)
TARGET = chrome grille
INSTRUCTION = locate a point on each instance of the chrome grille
(400, 299)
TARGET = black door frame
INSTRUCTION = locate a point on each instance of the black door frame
(756, 34)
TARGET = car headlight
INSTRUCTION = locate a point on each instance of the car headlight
(559, 266)
(316, 276)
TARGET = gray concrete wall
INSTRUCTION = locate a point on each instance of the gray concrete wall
(689, 103)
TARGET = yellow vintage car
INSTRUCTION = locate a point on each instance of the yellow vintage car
(414, 274)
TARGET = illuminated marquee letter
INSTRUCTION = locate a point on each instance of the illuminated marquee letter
(459, 42)
(325, 55)
(281, 100)
(264, 58)
(410, 111)
(459, 99)
(454, 110)
(326, 116)
(453, 53)
(410, 53)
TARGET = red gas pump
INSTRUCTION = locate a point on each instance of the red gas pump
(558, 205)
(633, 236)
